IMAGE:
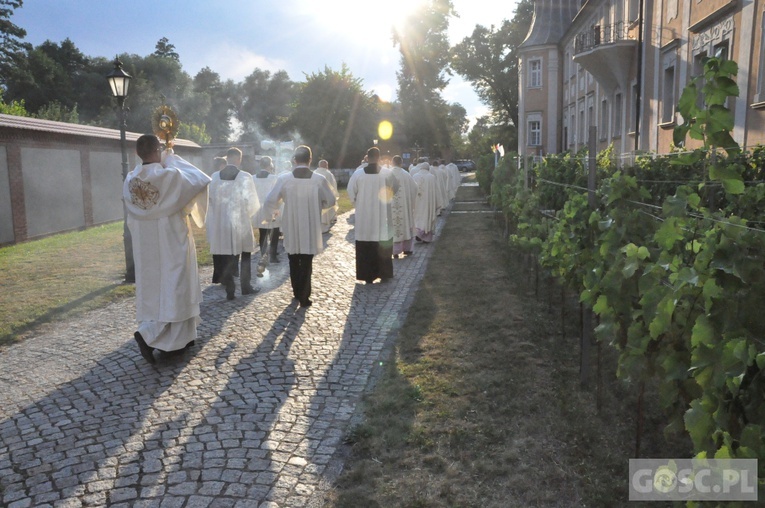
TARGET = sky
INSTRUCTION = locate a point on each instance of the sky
(233, 37)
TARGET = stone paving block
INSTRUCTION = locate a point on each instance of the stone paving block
(249, 416)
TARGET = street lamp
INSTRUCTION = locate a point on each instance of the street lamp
(119, 82)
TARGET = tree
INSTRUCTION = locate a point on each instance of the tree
(424, 48)
(265, 105)
(489, 59)
(336, 116)
(12, 48)
(15, 108)
(164, 49)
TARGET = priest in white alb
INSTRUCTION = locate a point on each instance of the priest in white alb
(455, 179)
(304, 194)
(233, 202)
(161, 195)
(426, 205)
(371, 189)
(268, 225)
(328, 216)
(402, 209)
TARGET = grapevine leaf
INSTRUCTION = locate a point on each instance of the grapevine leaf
(663, 319)
(703, 332)
(668, 234)
(699, 424)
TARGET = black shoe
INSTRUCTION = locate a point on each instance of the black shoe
(146, 351)
(230, 296)
(250, 290)
(408, 252)
(307, 303)
(274, 259)
(189, 345)
(395, 256)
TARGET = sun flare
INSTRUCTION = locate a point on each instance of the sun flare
(347, 14)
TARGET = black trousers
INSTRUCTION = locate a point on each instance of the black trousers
(226, 267)
(270, 236)
(301, 268)
(373, 260)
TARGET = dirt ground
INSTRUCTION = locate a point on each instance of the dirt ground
(480, 403)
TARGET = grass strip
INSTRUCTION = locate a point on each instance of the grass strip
(479, 403)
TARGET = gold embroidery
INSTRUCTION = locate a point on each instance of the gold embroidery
(144, 195)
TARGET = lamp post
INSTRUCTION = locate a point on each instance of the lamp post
(119, 81)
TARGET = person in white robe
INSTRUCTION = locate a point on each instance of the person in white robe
(371, 189)
(233, 202)
(328, 216)
(161, 196)
(402, 210)
(268, 225)
(305, 194)
(443, 187)
(426, 205)
(455, 179)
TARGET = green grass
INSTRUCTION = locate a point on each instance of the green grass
(479, 403)
(49, 278)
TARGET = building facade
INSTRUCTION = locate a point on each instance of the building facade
(602, 64)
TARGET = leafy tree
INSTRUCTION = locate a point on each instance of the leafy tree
(55, 111)
(193, 132)
(15, 108)
(49, 72)
(336, 116)
(12, 48)
(265, 105)
(424, 48)
(164, 49)
(217, 121)
(489, 59)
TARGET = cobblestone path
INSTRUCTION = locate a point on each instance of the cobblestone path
(253, 415)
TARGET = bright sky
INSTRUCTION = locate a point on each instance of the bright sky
(234, 37)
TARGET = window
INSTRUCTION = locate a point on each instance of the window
(535, 131)
(698, 72)
(760, 96)
(590, 114)
(668, 96)
(572, 123)
(617, 115)
(721, 50)
(634, 10)
(633, 108)
(535, 73)
(668, 103)
(565, 130)
(603, 127)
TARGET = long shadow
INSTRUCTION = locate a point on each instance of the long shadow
(359, 352)
(112, 432)
(231, 451)
(237, 417)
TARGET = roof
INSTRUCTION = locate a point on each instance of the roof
(73, 129)
(551, 20)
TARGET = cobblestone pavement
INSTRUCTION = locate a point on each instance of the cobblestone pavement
(253, 415)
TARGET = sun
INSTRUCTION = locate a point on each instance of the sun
(386, 15)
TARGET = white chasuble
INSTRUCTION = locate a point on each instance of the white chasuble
(229, 217)
(402, 207)
(159, 201)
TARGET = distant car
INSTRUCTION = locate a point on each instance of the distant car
(465, 165)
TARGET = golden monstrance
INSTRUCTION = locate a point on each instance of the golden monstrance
(165, 124)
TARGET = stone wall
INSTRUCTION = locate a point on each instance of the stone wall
(57, 177)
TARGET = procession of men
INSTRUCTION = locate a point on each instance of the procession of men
(394, 210)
